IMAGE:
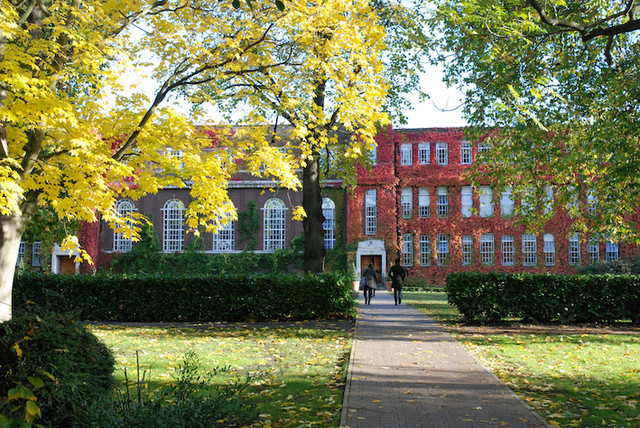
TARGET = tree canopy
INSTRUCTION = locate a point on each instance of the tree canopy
(556, 81)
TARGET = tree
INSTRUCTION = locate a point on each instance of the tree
(60, 149)
(557, 83)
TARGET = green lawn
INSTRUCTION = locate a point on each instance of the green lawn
(300, 370)
(575, 376)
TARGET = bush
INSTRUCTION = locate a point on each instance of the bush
(190, 298)
(544, 297)
(49, 346)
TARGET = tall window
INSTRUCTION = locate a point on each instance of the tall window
(423, 202)
(21, 252)
(173, 230)
(486, 201)
(370, 214)
(529, 250)
(592, 200)
(612, 251)
(274, 224)
(526, 205)
(467, 249)
(506, 202)
(574, 250)
(36, 257)
(425, 250)
(373, 155)
(548, 200)
(124, 209)
(442, 153)
(593, 249)
(424, 153)
(407, 249)
(406, 200)
(466, 200)
(443, 201)
(465, 153)
(508, 250)
(549, 250)
(406, 154)
(487, 249)
(443, 249)
(224, 239)
(329, 224)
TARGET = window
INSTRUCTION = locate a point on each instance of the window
(548, 200)
(486, 201)
(508, 250)
(465, 153)
(612, 251)
(425, 250)
(21, 252)
(424, 202)
(466, 200)
(224, 240)
(487, 249)
(274, 225)
(593, 249)
(506, 202)
(527, 203)
(373, 155)
(443, 249)
(467, 249)
(329, 224)
(370, 215)
(406, 200)
(443, 201)
(406, 154)
(484, 147)
(424, 153)
(549, 250)
(175, 154)
(407, 249)
(173, 231)
(124, 209)
(529, 250)
(592, 200)
(36, 257)
(574, 250)
(442, 153)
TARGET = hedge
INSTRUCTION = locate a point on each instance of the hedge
(544, 297)
(189, 298)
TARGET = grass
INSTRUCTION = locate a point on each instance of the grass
(572, 376)
(299, 370)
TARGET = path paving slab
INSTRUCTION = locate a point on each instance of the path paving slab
(407, 371)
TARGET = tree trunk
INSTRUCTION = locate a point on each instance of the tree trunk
(10, 236)
(312, 203)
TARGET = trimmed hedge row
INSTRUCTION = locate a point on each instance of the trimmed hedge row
(189, 298)
(544, 297)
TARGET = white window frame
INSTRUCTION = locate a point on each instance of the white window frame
(487, 249)
(466, 153)
(274, 215)
(442, 153)
(443, 201)
(21, 252)
(508, 249)
(443, 249)
(173, 226)
(612, 252)
(370, 212)
(425, 250)
(406, 154)
(548, 200)
(329, 223)
(506, 202)
(549, 250)
(485, 196)
(407, 249)
(124, 208)
(424, 202)
(424, 153)
(592, 202)
(574, 251)
(466, 200)
(593, 249)
(467, 250)
(406, 202)
(529, 250)
(224, 239)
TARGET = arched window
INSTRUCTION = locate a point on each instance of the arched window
(549, 250)
(224, 239)
(274, 225)
(124, 209)
(329, 224)
(173, 230)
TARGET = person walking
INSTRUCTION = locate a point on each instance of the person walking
(397, 274)
(369, 274)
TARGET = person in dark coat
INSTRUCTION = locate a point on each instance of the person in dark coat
(369, 274)
(397, 274)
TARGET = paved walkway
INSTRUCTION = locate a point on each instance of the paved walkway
(407, 371)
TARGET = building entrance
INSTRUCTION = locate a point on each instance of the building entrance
(372, 251)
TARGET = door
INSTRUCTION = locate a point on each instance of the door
(377, 264)
(66, 265)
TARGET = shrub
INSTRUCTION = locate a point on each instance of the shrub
(41, 345)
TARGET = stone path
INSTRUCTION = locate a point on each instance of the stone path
(407, 371)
